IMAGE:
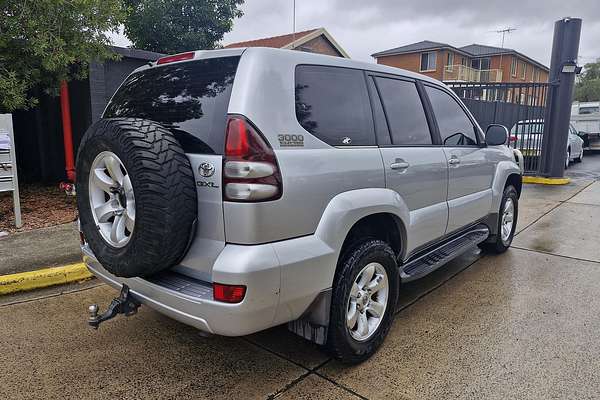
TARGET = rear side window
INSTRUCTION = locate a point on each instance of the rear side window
(189, 98)
(332, 104)
(404, 111)
(456, 129)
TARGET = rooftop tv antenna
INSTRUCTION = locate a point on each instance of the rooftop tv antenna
(503, 32)
(294, 21)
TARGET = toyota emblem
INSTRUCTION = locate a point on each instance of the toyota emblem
(206, 169)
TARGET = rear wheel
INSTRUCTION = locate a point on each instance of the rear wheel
(365, 293)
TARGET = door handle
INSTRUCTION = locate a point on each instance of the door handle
(400, 165)
(453, 161)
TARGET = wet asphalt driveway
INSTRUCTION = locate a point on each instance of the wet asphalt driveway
(523, 325)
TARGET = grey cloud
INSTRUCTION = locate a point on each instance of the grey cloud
(472, 12)
(365, 27)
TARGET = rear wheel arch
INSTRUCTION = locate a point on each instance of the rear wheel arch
(382, 226)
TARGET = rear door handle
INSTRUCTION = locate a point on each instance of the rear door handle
(400, 165)
(454, 161)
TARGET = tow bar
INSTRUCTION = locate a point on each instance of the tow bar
(124, 304)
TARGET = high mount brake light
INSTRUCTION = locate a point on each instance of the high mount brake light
(176, 57)
(250, 169)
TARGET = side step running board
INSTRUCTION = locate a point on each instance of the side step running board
(439, 256)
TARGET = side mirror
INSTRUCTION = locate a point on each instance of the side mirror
(496, 135)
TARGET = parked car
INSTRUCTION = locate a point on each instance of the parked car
(239, 189)
(585, 118)
(527, 136)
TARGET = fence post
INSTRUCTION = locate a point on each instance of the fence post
(563, 65)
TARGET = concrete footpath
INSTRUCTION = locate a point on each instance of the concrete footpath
(522, 325)
(39, 248)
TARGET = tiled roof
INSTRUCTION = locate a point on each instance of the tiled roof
(483, 50)
(419, 46)
(275, 41)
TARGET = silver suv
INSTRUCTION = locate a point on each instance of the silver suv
(235, 190)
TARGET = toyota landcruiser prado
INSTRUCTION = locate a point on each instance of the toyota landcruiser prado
(239, 189)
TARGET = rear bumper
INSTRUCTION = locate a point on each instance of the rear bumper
(190, 300)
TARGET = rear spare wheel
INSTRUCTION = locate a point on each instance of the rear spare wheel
(136, 196)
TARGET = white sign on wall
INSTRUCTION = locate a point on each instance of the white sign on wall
(8, 164)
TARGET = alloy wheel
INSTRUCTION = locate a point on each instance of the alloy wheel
(112, 199)
(367, 302)
(508, 214)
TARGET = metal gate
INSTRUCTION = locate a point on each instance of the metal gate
(518, 106)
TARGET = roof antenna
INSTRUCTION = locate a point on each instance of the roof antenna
(504, 32)
(294, 23)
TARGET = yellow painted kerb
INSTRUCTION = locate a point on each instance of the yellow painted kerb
(43, 278)
(545, 181)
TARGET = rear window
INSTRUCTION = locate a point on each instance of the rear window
(189, 98)
(405, 112)
(589, 110)
(333, 104)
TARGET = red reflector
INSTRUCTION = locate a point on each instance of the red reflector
(176, 57)
(228, 293)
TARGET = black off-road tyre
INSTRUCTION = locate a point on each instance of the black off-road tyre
(164, 189)
(497, 245)
(340, 343)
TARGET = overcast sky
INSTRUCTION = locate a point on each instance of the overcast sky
(365, 27)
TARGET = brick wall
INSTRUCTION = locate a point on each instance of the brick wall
(412, 62)
(507, 76)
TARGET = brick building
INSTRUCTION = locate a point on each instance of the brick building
(314, 40)
(472, 63)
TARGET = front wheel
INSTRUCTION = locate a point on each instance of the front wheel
(364, 299)
(507, 222)
(568, 160)
(580, 158)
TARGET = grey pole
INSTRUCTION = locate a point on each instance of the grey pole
(565, 49)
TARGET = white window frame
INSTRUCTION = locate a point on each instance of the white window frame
(429, 54)
(450, 61)
(523, 70)
(513, 67)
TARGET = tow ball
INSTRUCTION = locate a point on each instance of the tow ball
(124, 304)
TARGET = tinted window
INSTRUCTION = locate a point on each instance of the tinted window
(589, 110)
(455, 126)
(189, 98)
(333, 104)
(404, 111)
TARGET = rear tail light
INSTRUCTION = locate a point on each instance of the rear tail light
(250, 169)
(228, 293)
(512, 139)
(176, 57)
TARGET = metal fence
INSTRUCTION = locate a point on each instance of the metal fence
(518, 106)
